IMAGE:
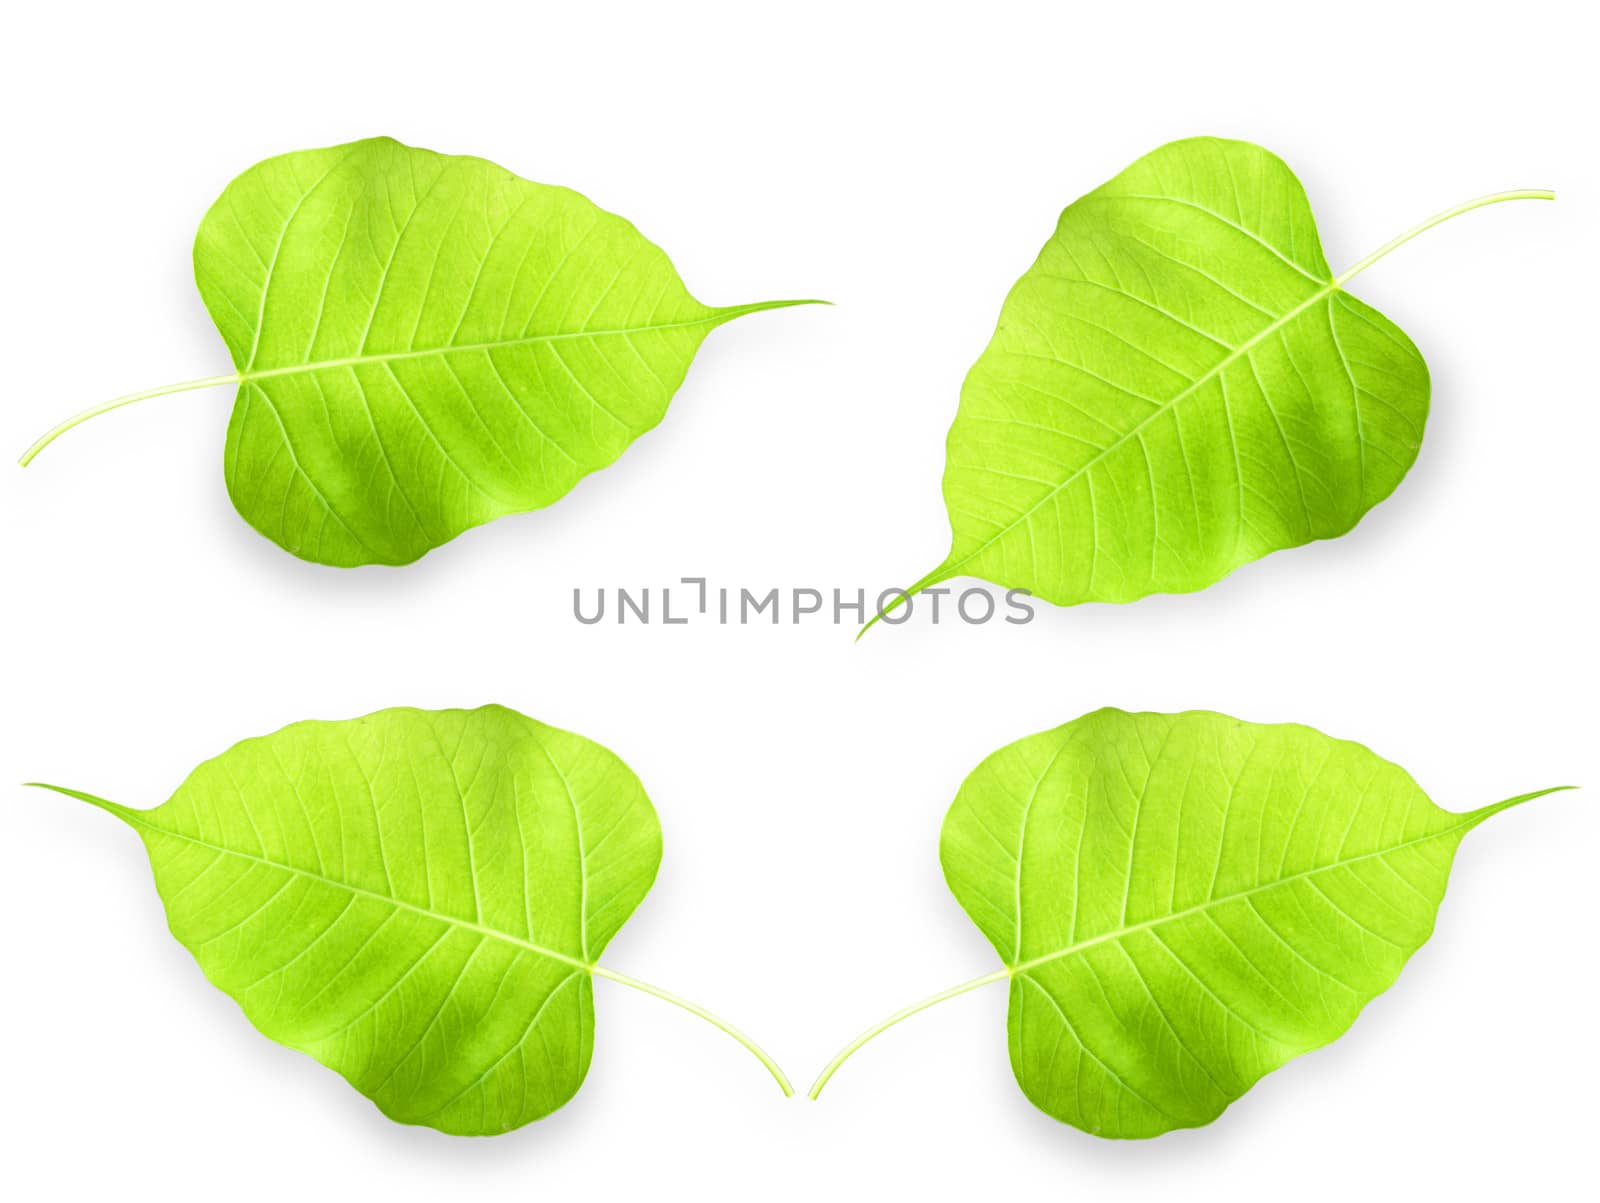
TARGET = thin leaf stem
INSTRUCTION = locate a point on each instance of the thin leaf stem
(1493, 198)
(695, 1009)
(117, 403)
(136, 820)
(714, 318)
(999, 975)
(1466, 822)
(951, 567)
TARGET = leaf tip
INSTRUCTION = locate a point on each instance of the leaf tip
(730, 312)
(112, 808)
(1486, 812)
(903, 596)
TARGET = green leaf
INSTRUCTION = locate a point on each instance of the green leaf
(1184, 902)
(417, 899)
(424, 343)
(1178, 385)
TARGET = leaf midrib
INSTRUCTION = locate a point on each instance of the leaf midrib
(1467, 822)
(715, 318)
(951, 567)
(135, 820)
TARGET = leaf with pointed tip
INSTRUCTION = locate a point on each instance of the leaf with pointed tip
(1184, 902)
(424, 342)
(417, 899)
(1179, 385)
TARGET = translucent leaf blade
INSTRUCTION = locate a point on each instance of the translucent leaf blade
(1186, 902)
(414, 898)
(1175, 388)
(428, 342)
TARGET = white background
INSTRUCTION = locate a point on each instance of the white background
(908, 166)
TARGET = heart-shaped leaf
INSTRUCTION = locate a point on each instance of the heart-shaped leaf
(417, 899)
(426, 342)
(1184, 902)
(1178, 386)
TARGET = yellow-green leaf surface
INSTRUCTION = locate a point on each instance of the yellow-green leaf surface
(1178, 385)
(426, 342)
(1184, 902)
(416, 899)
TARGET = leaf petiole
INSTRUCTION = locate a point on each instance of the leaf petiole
(1468, 821)
(134, 819)
(695, 1009)
(953, 565)
(60, 429)
(999, 975)
(717, 317)
(1395, 243)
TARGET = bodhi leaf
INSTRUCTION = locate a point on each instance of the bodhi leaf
(417, 899)
(1178, 385)
(424, 342)
(1184, 902)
